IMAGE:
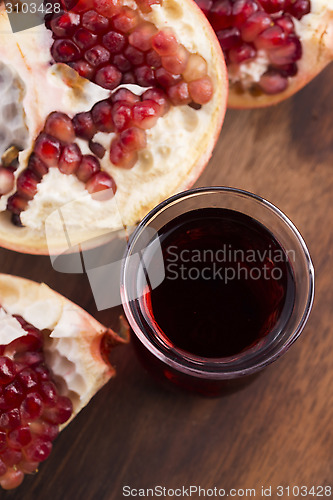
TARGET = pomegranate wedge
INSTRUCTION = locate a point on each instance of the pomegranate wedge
(112, 106)
(53, 359)
(272, 47)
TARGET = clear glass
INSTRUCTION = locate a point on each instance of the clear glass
(180, 366)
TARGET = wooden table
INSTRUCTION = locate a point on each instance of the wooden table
(277, 431)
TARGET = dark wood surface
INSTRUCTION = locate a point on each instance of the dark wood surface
(278, 430)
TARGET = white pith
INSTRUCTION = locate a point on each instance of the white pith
(178, 146)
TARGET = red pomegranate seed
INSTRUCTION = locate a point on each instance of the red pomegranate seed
(141, 36)
(29, 358)
(286, 23)
(115, 42)
(145, 76)
(122, 63)
(7, 370)
(102, 116)
(126, 20)
(242, 10)
(42, 372)
(3, 443)
(16, 204)
(179, 94)
(78, 5)
(60, 413)
(6, 180)
(94, 22)
(153, 59)
(59, 125)
(273, 6)
(134, 56)
(166, 79)
(19, 437)
(288, 70)
(201, 90)
(122, 115)
(133, 139)
(272, 82)
(244, 52)
(205, 5)
(97, 55)
(48, 392)
(31, 407)
(70, 159)
(88, 167)
(37, 165)
(27, 183)
(229, 38)
(44, 430)
(84, 38)
(299, 8)
(11, 457)
(10, 420)
(108, 8)
(48, 149)
(196, 68)
(101, 181)
(220, 14)
(176, 63)
(165, 42)
(38, 450)
(108, 77)
(11, 479)
(146, 114)
(145, 5)
(121, 158)
(64, 25)
(271, 38)
(254, 25)
(160, 97)
(84, 126)
(289, 53)
(13, 394)
(3, 468)
(65, 51)
(97, 149)
(84, 69)
(125, 95)
(28, 379)
(28, 467)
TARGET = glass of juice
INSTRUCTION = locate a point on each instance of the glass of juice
(216, 284)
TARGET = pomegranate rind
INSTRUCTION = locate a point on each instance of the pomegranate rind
(316, 33)
(45, 309)
(137, 196)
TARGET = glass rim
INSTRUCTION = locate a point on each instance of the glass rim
(216, 368)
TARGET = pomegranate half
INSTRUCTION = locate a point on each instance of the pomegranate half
(53, 359)
(107, 108)
(273, 48)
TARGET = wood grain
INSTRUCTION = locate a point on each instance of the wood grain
(277, 431)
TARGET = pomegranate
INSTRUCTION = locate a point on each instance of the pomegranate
(117, 104)
(53, 359)
(272, 47)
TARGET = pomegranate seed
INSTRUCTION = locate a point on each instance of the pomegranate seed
(84, 69)
(7, 370)
(299, 8)
(272, 82)
(42, 373)
(102, 116)
(11, 457)
(121, 115)
(3, 468)
(31, 407)
(242, 10)
(273, 6)
(10, 420)
(84, 126)
(97, 55)
(196, 68)
(37, 165)
(229, 38)
(97, 149)
(221, 15)
(201, 90)
(145, 5)
(6, 180)
(70, 159)
(179, 94)
(141, 36)
(244, 52)
(133, 139)
(60, 413)
(29, 358)
(38, 450)
(28, 379)
(145, 76)
(165, 42)
(176, 63)
(19, 437)
(125, 95)
(27, 183)
(88, 167)
(13, 394)
(286, 23)
(84, 38)
(78, 5)
(254, 25)
(3, 442)
(134, 56)
(120, 158)
(44, 430)
(11, 479)
(65, 51)
(28, 467)
(16, 204)
(126, 20)
(49, 393)
(108, 77)
(107, 8)
(166, 79)
(48, 149)
(64, 25)
(205, 5)
(95, 22)
(288, 53)
(288, 70)
(271, 38)
(160, 97)
(146, 114)
(122, 63)
(60, 126)
(101, 181)
(115, 42)
(153, 59)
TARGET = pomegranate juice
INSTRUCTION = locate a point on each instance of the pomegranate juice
(228, 283)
